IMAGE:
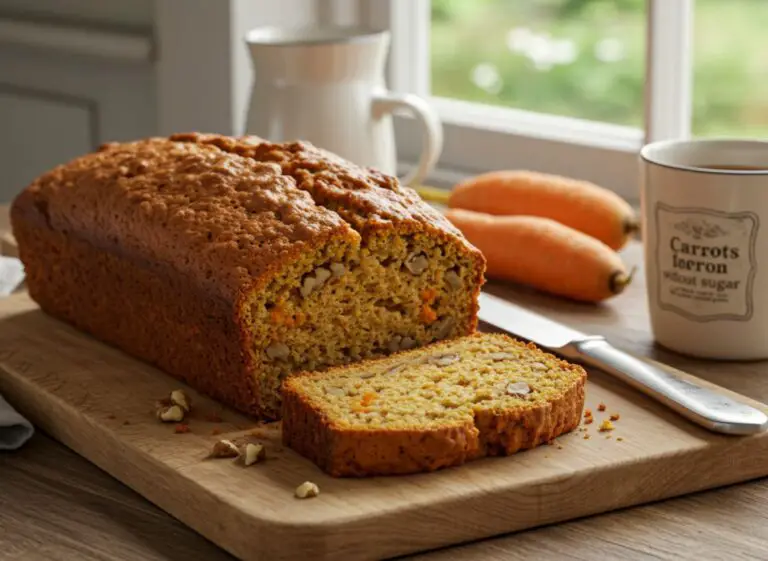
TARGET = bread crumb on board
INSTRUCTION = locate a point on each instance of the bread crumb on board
(606, 425)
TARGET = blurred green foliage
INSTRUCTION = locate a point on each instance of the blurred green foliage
(585, 59)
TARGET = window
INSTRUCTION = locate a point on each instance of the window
(730, 85)
(573, 58)
(586, 58)
(574, 86)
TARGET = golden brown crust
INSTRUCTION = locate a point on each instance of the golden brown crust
(153, 245)
(162, 201)
(354, 453)
(506, 432)
(350, 452)
(366, 198)
(163, 318)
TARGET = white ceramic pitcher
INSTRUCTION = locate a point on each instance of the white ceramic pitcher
(326, 85)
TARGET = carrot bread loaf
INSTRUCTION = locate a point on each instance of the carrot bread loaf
(231, 263)
(430, 408)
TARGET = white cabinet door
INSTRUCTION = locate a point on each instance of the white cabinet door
(38, 132)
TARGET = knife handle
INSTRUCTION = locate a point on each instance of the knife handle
(712, 410)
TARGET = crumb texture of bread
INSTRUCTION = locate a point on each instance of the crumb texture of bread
(434, 407)
(232, 263)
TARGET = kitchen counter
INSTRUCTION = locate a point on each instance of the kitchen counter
(57, 506)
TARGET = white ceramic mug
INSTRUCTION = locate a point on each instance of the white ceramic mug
(705, 233)
(326, 85)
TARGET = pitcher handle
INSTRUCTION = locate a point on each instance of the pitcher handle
(432, 139)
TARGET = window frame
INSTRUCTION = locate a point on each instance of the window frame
(482, 137)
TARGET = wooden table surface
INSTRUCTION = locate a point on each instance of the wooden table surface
(55, 505)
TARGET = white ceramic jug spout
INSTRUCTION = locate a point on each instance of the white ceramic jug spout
(326, 85)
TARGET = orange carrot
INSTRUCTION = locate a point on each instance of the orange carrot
(544, 254)
(581, 205)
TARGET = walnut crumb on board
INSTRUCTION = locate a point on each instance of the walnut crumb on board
(181, 428)
(171, 414)
(601, 407)
(588, 421)
(615, 416)
(224, 449)
(254, 453)
(178, 397)
(307, 490)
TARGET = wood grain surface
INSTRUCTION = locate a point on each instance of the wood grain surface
(55, 504)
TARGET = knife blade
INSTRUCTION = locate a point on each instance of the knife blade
(703, 406)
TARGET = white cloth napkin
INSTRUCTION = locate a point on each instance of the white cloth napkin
(11, 275)
(15, 430)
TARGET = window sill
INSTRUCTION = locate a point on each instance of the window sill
(537, 125)
(481, 138)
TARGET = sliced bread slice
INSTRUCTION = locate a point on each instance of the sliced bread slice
(430, 408)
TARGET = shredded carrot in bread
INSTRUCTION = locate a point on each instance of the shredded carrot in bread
(428, 295)
(428, 315)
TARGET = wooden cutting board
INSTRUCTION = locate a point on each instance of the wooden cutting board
(99, 402)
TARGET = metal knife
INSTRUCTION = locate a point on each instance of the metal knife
(712, 410)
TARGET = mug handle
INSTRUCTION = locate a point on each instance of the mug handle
(432, 139)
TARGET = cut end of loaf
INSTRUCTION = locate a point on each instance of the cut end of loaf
(431, 408)
(346, 302)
